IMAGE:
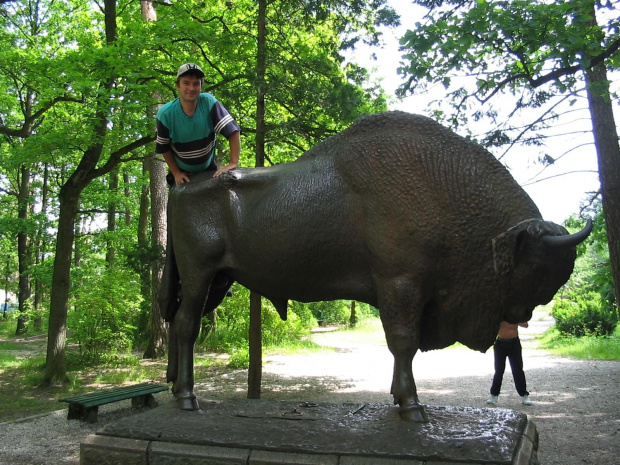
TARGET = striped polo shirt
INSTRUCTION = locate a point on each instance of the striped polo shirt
(192, 139)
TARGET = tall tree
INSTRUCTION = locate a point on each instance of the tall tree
(91, 77)
(22, 112)
(86, 171)
(158, 329)
(539, 52)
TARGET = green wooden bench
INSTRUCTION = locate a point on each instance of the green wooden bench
(85, 406)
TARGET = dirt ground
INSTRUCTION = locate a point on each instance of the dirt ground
(575, 403)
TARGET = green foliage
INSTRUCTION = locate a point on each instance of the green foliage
(233, 326)
(103, 322)
(22, 365)
(336, 312)
(587, 306)
(584, 313)
(73, 111)
(239, 358)
(526, 39)
(231, 330)
(516, 64)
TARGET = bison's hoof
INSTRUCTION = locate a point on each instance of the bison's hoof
(187, 403)
(413, 413)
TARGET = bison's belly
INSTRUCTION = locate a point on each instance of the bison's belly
(309, 277)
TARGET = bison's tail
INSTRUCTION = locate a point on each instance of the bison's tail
(170, 287)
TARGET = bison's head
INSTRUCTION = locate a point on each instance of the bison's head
(532, 261)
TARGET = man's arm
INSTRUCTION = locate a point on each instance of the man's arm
(162, 145)
(235, 151)
(179, 176)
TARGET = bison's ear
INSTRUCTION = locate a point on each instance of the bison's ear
(507, 248)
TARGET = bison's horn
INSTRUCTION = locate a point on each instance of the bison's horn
(570, 240)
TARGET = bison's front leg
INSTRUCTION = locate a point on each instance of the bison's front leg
(403, 385)
(186, 326)
(400, 310)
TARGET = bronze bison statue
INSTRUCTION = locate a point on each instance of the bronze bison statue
(396, 211)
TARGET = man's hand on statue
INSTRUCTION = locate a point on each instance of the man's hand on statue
(223, 169)
(180, 178)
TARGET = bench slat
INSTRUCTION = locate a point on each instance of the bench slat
(115, 394)
(121, 391)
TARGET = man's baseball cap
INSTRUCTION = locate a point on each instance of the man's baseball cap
(190, 68)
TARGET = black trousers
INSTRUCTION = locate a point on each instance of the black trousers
(511, 349)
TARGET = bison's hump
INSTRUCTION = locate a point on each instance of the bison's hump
(397, 127)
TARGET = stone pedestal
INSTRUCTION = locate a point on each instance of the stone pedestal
(258, 432)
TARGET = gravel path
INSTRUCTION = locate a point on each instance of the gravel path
(575, 405)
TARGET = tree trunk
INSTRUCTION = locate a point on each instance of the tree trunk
(6, 289)
(353, 319)
(55, 365)
(158, 329)
(255, 336)
(255, 371)
(85, 172)
(111, 252)
(608, 154)
(143, 244)
(41, 250)
(127, 195)
(23, 251)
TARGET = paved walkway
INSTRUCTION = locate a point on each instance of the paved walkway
(575, 405)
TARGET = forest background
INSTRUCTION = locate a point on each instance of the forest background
(82, 195)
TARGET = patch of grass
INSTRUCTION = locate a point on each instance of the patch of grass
(8, 327)
(7, 345)
(8, 360)
(301, 346)
(22, 380)
(32, 370)
(586, 347)
(369, 330)
(204, 360)
(119, 376)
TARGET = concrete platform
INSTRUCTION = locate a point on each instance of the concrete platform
(258, 432)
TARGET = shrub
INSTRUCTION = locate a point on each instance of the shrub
(584, 313)
(336, 312)
(231, 331)
(106, 307)
(587, 304)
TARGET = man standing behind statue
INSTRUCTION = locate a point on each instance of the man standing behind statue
(187, 129)
(508, 345)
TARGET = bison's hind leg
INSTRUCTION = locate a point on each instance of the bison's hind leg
(172, 369)
(400, 310)
(186, 326)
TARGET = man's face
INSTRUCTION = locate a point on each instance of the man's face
(189, 87)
